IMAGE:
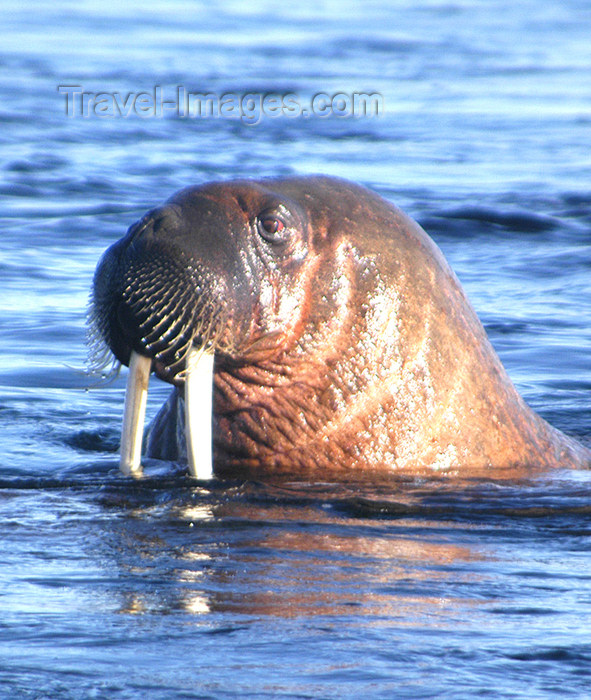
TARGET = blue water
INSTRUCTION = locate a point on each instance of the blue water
(161, 589)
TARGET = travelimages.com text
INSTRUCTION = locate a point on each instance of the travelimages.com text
(250, 107)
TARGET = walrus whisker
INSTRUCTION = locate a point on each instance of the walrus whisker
(143, 297)
(99, 358)
(104, 378)
(173, 339)
(175, 328)
(164, 317)
(175, 369)
(206, 345)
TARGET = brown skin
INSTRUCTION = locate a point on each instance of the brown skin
(344, 342)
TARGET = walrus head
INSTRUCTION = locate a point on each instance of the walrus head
(341, 338)
(216, 267)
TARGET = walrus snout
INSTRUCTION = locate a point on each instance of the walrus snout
(209, 269)
(151, 298)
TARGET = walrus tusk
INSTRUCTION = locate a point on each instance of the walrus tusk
(134, 414)
(198, 413)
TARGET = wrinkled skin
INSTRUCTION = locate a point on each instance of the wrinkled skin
(344, 342)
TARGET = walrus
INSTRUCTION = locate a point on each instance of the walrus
(334, 335)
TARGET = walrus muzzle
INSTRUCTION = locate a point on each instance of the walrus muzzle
(153, 308)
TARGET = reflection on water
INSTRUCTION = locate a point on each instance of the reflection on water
(414, 582)
(251, 554)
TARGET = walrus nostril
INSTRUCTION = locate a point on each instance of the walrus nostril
(156, 223)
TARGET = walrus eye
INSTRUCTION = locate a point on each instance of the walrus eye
(271, 228)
